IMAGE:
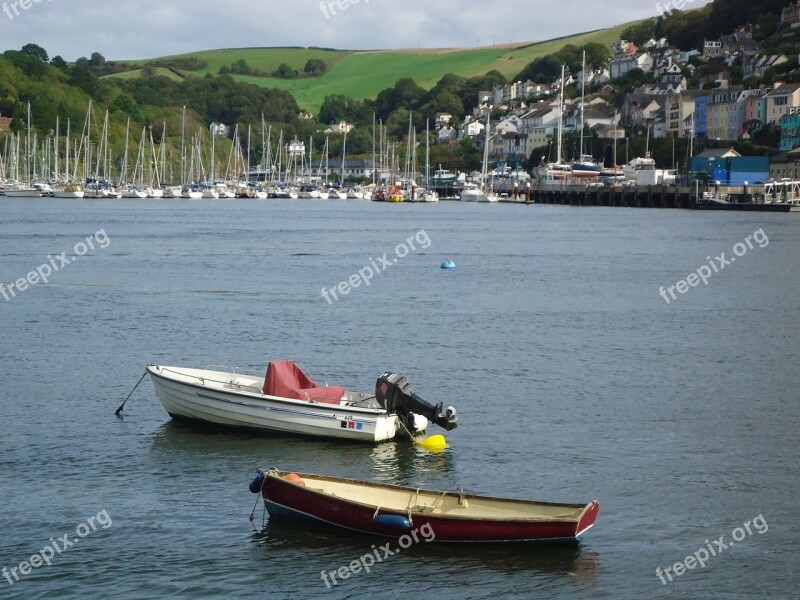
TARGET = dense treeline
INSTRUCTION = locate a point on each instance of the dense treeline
(688, 30)
(56, 89)
(220, 98)
(547, 68)
(452, 94)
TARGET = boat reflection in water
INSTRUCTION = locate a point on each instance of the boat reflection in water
(404, 463)
(327, 549)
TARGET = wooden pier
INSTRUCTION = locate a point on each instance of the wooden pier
(649, 197)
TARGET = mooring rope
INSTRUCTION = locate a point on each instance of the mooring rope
(121, 406)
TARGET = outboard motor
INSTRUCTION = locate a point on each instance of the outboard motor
(395, 394)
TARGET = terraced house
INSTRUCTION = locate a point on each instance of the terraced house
(726, 112)
(790, 130)
(780, 100)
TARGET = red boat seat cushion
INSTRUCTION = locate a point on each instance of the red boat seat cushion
(331, 394)
(286, 380)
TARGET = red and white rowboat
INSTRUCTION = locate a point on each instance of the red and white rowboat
(393, 511)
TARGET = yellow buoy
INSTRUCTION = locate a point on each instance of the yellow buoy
(435, 443)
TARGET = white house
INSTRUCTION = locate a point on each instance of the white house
(296, 148)
(471, 128)
(219, 129)
(341, 127)
(509, 143)
(443, 119)
(541, 114)
(510, 124)
(624, 63)
(446, 134)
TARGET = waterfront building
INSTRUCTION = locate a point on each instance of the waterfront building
(785, 165)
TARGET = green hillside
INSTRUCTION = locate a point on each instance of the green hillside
(159, 72)
(264, 59)
(361, 75)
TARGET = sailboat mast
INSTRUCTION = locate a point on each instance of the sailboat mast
(344, 150)
(88, 157)
(55, 157)
(124, 171)
(183, 146)
(249, 133)
(66, 151)
(28, 149)
(486, 148)
(427, 154)
(560, 116)
(583, 92)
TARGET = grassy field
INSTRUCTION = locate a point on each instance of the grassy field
(160, 72)
(361, 74)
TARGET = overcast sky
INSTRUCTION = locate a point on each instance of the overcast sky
(146, 28)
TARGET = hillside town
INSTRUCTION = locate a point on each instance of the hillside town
(718, 112)
(674, 102)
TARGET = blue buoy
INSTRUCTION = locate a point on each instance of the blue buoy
(255, 486)
(449, 265)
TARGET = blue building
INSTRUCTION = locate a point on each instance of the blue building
(729, 168)
(701, 116)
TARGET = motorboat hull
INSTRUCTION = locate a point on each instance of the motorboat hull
(236, 400)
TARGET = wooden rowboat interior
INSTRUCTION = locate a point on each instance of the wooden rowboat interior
(444, 503)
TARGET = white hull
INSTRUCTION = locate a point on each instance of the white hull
(24, 193)
(237, 401)
(472, 195)
(429, 197)
(62, 194)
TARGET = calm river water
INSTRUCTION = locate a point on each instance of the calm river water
(574, 380)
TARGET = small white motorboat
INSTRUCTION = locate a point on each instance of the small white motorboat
(288, 401)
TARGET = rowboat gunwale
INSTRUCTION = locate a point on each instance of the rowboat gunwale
(308, 477)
